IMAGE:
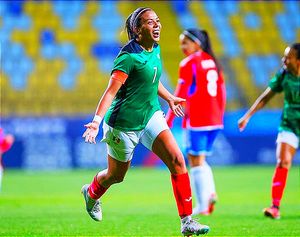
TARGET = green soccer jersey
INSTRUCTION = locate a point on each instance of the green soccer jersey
(290, 85)
(137, 99)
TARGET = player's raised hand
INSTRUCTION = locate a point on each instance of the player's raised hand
(242, 123)
(176, 107)
(91, 132)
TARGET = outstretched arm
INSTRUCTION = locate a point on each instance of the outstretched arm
(92, 128)
(260, 102)
(173, 101)
(180, 91)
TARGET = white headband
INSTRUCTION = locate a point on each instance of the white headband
(137, 16)
(194, 38)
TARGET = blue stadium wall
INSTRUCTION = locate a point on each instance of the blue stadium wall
(56, 143)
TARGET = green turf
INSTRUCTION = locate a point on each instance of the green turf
(50, 204)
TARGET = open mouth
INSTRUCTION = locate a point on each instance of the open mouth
(156, 34)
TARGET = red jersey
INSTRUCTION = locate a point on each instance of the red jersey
(203, 87)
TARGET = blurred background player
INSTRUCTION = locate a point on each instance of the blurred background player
(6, 141)
(201, 84)
(288, 81)
(133, 115)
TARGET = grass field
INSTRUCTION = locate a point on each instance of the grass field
(50, 204)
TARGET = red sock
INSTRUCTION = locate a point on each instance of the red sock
(96, 190)
(278, 184)
(182, 192)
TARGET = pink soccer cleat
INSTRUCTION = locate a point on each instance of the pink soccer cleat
(272, 212)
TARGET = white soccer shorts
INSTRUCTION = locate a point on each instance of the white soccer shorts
(289, 138)
(121, 145)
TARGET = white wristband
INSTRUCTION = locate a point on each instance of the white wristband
(97, 119)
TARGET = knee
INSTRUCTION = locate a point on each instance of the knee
(198, 160)
(284, 162)
(178, 161)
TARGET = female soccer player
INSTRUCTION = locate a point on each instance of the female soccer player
(132, 114)
(288, 81)
(201, 84)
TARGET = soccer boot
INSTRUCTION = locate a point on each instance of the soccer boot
(93, 207)
(192, 227)
(211, 203)
(211, 207)
(272, 212)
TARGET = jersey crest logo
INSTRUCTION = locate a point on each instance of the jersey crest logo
(116, 139)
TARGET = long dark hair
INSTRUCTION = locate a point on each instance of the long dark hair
(134, 20)
(296, 46)
(201, 37)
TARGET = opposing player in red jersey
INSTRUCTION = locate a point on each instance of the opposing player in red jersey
(6, 142)
(202, 85)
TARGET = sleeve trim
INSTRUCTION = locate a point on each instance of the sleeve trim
(119, 76)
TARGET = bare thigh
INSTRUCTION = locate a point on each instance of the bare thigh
(166, 148)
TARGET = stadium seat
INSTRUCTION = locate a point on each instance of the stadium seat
(180, 7)
(102, 49)
(49, 51)
(252, 21)
(18, 80)
(187, 20)
(66, 50)
(66, 80)
(231, 7)
(15, 8)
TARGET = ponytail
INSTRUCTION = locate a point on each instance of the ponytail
(208, 49)
(201, 37)
(130, 33)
